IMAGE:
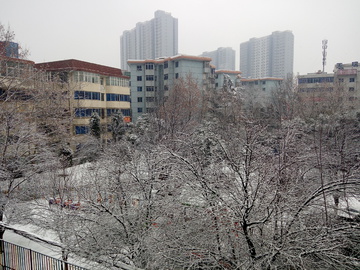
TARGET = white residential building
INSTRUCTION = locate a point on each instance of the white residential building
(151, 39)
(223, 58)
(269, 56)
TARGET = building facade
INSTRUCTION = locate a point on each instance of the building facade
(222, 58)
(151, 39)
(259, 92)
(93, 89)
(152, 80)
(227, 79)
(269, 56)
(332, 91)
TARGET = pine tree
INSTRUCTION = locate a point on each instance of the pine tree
(95, 127)
(118, 127)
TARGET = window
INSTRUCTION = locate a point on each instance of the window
(177, 64)
(126, 112)
(177, 75)
(341, 80)
(87, 112)
(166, 76)
(139, 68)
(82, 76)
(117, 97)
(166, 87)
(139, 88)
(150, 88)
(264, 89)
(81, 129)
(139, 78)
(166, 64)
(110, 112)
(150, 99)
(351, 79)
(140, 110)
(86, 95)
(139, 99)
(149, 66)
(116, 81)
(264, 82)
(351, 89)
(149, 77)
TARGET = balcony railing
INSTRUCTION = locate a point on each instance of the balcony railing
(15, 257)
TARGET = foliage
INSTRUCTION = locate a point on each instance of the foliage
(95, 126)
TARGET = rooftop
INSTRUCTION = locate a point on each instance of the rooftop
(172, 58)
(228, 71)
(73, 64)
(262, 79)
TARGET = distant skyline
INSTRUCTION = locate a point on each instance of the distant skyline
(90, 30)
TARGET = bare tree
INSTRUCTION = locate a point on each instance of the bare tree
(33, 124)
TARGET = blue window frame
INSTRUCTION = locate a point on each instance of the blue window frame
(86, 95)
(86, 112)
(126, 112)
(81, 129)
(117, 97)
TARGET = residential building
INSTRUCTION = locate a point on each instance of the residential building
(269, 56)
(94, 89)
(338, 90)
(227, 78)
(152, 80)
(348, 78)
(260, 91)
(151, 39)
(222, 58)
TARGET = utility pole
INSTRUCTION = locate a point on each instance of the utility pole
(324, 53)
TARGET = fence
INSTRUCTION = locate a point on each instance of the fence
(14, 257)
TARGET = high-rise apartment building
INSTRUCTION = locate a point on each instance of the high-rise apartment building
(151, 39)
(222, 58)
(269, 56)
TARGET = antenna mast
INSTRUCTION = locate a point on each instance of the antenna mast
(324, 46)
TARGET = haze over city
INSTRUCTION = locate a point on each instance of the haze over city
(91, 30)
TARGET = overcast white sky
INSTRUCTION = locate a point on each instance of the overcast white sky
(90, 30)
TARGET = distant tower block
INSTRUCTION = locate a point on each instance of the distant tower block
(324, 47)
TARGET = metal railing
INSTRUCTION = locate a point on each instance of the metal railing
(14, 257)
